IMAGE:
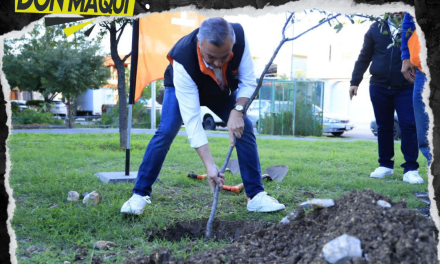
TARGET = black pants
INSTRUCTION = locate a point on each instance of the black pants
(385, 102)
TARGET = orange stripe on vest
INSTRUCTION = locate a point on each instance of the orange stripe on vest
(414, 50)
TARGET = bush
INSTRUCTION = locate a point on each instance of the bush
(307, 122)
(29, 116)
(39, 105)
(36, 103)
(277, 123)
(15, 108)
(141, 117)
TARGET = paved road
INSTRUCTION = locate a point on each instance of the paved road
(358, 133)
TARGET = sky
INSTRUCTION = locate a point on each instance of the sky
(264, 34)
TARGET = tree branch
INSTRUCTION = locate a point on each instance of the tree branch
(328, 19)
(285, 24)
(120, 33)
(105, 24)
(126, 56)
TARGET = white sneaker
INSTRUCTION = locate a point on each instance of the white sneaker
(412, 177)
(264, 203)
(381, 172)
(135, 205)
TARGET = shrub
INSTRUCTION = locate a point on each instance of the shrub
(141, 117)
(15, 108)
(307, 122)
(28, 116)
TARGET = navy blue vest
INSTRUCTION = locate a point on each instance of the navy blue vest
(210, 93)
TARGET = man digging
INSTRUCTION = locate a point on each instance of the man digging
(211, 67)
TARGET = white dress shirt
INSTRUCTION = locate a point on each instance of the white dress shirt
(188, 95)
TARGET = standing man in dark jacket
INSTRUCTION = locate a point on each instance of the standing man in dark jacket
(389, 92)
(211, 66)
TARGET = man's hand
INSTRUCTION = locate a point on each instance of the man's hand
(235, 125)
(353, 91)
(408, 70)
(212, 171)
(213, 177)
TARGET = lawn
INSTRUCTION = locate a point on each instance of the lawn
(45, 167)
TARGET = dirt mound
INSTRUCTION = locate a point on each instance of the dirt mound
(221, 230)
(387, 235)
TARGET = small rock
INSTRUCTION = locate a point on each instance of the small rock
(84, 194)
(318, 203)
(104, 245)
(53, 206)
(292, 216)
(31, 249)
(110, 255)
(285, 220)
(159, 256)
(72, 196)
(91, 198)
(341, 249)
(254, 243)
(66, 262)
(383, 204)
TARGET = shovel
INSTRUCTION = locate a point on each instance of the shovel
(233, 166)
(423, 196)
(275, 173)
(272, 173)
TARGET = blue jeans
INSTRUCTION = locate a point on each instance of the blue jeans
(170, 123)
(385, 102)
(422, 118)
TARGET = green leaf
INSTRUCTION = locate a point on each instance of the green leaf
(385, 32)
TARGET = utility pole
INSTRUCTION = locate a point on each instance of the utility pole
(153, 105)
(291, 55)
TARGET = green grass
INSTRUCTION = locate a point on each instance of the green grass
(45, 167)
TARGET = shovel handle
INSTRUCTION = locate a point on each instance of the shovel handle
(234, 189)
(196, 176)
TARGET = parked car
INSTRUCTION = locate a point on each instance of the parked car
(148, 104)
(373, 127)
(209, 119)
(333, 123)
(58, 108)
(253, 112)
(336, 124)
(21, 104)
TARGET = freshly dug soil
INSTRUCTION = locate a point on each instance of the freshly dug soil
(221, 230)
(387, 235)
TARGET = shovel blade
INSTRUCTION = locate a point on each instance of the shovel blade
(423, 196)
(277, 172)
(233, 166)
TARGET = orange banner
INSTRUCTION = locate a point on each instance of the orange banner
(157, 35)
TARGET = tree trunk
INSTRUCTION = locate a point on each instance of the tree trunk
(70, 111)
(119, 65)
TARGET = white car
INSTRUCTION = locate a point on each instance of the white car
(58, 108)
(21, 104)
(336, 124)
(253, 112)
(209, 119)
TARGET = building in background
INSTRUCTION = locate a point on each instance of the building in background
(321, 54)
